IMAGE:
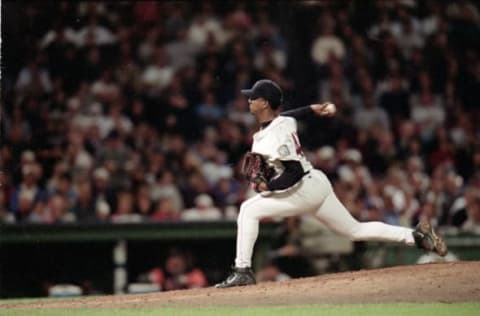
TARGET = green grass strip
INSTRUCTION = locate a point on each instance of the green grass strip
(430, 309)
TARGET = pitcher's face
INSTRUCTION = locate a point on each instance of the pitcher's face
(257, 104)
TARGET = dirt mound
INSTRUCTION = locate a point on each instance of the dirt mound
(443, 282)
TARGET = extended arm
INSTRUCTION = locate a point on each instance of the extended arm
(323, 109)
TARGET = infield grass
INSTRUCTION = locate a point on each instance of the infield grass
(437, 309)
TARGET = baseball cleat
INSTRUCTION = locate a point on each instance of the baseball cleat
(426, 238)
(239, 277)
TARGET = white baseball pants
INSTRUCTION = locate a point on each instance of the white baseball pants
(314, 195)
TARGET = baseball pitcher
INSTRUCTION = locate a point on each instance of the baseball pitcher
(288, 185)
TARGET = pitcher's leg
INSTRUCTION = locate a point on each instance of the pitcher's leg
(247, 233)
(338, 218)
(254, 209)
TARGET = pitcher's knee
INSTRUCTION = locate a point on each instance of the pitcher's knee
(360, 232)
(355, 233)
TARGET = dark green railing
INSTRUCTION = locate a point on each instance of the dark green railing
(166, 231)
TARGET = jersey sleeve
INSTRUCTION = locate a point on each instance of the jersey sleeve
(298, 113)
(286, 145)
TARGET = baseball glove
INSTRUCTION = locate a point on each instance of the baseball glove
(255, 169)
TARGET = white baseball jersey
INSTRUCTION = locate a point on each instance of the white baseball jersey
(279, 141)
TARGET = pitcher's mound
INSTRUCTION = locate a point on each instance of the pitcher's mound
(441, 282)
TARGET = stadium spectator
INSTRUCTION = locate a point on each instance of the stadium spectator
(102, 189)
(27, 193)
(143, 201)
(158, 74)
(39, 214)
(182, 52)
(178, 273)
(124, 212)
(472, 224)
(165, 211)
(84, 207)
(369, 115)
(204, 210)
(204, 25)
(393, 95)
(5, 216)
(327, 45)
(95, 34)
(165, 187)
(271, 273)
(427, 108)
(33, 79)
(59, 210)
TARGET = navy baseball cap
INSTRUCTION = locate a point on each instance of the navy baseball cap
(266, 89)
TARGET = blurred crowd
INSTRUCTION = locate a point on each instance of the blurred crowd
(128, 112)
